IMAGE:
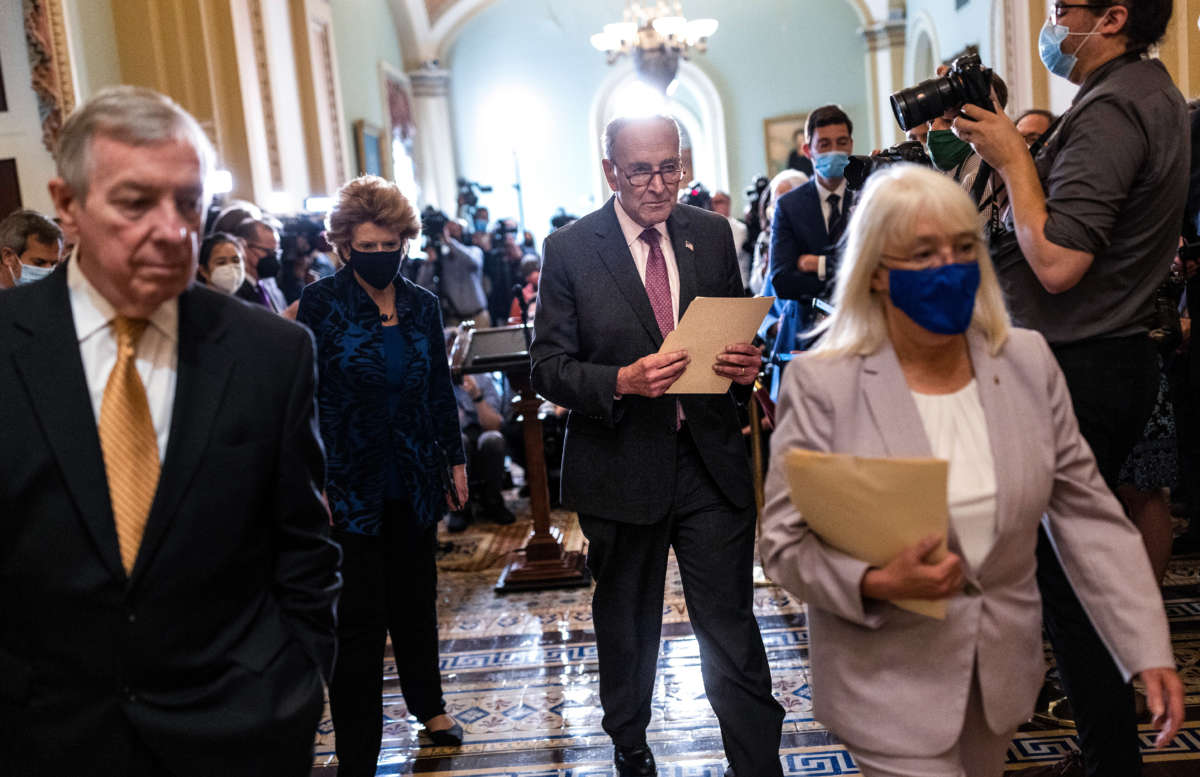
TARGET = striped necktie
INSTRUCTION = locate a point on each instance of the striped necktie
(128, 442)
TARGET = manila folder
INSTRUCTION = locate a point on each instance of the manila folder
(708, 325)
(872, 509)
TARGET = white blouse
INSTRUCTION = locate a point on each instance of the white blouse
(957, 431)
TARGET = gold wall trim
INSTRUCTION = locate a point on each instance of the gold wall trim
(259, 33)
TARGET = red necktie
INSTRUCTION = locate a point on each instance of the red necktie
(658, 286)
(658, 289)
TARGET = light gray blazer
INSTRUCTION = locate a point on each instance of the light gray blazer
(889, 680)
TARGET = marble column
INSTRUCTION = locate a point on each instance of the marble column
(885, 75)
(434, 141)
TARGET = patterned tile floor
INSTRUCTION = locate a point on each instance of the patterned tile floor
(519, 673)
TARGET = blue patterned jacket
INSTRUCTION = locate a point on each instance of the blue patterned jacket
(362, 437)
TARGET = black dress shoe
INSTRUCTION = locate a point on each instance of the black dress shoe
(634, 761)
(447, 737)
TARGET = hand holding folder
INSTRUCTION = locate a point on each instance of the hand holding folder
(872, 509)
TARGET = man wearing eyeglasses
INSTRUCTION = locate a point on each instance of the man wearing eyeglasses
(1097, 215)
(262, 264)
(648, 472)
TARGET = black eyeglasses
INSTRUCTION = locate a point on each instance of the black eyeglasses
(671, 173)
(1062, 8)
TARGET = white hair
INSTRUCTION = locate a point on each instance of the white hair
(620, 123)
(894, 201)
(129, 114)
(793, 178)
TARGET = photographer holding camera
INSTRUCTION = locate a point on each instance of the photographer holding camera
(453, 270)
(1096, 211)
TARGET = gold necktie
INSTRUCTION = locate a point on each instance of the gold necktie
(128, 442)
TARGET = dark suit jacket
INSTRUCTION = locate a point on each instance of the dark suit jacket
(593, 317)
(799, 228)
(211, 652)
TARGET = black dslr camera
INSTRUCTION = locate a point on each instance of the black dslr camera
(967, 82)
(859, 168)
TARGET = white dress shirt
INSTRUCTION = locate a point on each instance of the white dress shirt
(641, 252)
(957, 431)
(157, 350)
(827, 213)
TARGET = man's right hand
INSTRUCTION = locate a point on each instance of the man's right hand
(808, 263)
(914, 575)
(651, 376)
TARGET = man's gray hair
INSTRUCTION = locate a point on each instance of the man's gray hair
(620, 123)
(129, 114)
(20, 225)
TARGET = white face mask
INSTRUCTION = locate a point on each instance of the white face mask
(227, 277)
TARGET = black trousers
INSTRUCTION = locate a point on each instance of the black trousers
(714, 545)
(389, 586)
(1113, 384)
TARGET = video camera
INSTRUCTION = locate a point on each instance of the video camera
(469, 191)
(967, 82)
(433, 223)
(860, 168)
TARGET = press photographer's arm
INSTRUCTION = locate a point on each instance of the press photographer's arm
(996, 139)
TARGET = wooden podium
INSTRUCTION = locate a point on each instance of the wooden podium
(542, 563)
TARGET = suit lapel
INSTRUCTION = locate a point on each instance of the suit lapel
(895, 414)
(679, 228)
(52, 369)
(202, 374)
(1003, 436)
(615, 255)
(817, 215)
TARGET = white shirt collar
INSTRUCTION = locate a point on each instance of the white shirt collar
(840, 191)
(93, 312)
(633, 230)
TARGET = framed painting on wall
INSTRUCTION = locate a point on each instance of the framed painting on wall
(367, 139)
(778, 133)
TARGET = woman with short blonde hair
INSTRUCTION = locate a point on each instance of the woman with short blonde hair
(395, 462)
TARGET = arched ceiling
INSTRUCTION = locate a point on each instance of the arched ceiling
(428, 28)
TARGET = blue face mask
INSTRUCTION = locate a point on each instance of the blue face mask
(1050, 41)
(481, 225)
(30, 273)
(941, 299)
(831, 164)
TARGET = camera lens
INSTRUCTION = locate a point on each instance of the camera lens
(927, 100)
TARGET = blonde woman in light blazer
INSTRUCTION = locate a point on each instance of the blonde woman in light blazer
(920, 360)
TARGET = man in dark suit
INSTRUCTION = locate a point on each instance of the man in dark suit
(810, 219)
(166, 580)
(649, 472)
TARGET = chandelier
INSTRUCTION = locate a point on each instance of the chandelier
(657, 35)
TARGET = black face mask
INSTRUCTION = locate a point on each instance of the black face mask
(377, 268)
(268, 265)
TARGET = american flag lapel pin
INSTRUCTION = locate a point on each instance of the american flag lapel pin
(688, 245)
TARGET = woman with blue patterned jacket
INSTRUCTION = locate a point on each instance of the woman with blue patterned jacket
(390, 425)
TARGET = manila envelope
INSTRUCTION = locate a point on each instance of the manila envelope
(708, 325)
(871, 508)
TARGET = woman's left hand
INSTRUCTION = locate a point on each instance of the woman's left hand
(460, 488)
(1164, 698)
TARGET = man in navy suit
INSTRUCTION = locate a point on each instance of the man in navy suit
(648, 472)
(810, 218)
